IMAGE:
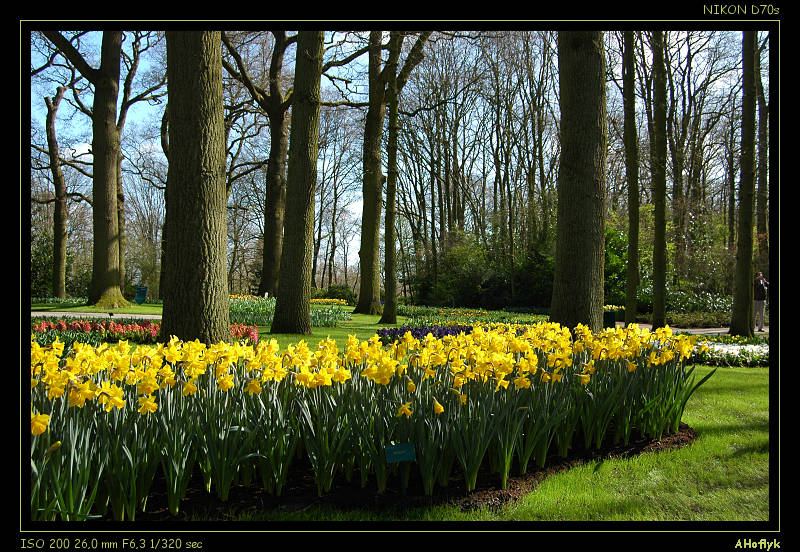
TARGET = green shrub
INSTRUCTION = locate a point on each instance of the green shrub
(339, 291)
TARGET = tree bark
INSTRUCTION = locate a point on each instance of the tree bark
(578, 281)
(632, 176)
(196, 303)
(742, 317)
(659, 179)
(292, 309)
(389, 315)
(395, 85)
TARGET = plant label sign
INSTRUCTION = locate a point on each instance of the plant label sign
(403, 452)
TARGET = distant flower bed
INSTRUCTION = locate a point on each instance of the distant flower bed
(443, 316)
(253, 310)
(326, 301)
(140, 331)
(390, 335)
(94, 332)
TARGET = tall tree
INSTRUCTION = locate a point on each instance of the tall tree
(578, 279)
(105, 287)
(762, 192)
(395, 86)
(742, 318)
(632, 176)
(153, 89)
(658, 167)
(275, 104)
(60, 188)
(195, 287)
(292, 308)
(369, 297)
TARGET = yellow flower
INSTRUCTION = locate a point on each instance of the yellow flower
(522, 382)
(225, 382)
(437, 408)
(404, 410)
(253, 387)
(110, 395)
(584, 378)
(39, 423)
(147, 405)
(341, 375)
(189, 388)
(411, 387)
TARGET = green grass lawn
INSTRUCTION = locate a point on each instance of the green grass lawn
(134, 309)
(363, 326)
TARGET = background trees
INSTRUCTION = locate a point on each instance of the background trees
(477, 163)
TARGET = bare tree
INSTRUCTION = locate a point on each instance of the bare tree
(275, 104)
(105, 288)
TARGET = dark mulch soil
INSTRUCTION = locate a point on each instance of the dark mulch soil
(300, 492)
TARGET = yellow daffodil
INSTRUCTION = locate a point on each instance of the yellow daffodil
(225, 381)
(39, 423)
(253, 387)
(404, 410)
(189, 388)
(147, 405)
(437, 408)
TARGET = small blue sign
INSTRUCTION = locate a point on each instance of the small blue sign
(403, 452)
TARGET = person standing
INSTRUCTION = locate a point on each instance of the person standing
(760, 291)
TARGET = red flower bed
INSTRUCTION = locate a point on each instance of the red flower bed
(137, 332)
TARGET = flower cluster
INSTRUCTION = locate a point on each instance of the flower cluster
(499, 392)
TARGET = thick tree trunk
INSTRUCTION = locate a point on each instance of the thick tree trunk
(105, 289)
(659, 178)
(632, 176)
(196, 304)
(578, 282)
(292, 309)
(742, 318)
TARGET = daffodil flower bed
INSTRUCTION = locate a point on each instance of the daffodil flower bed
(328, 301)
(105, 419)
